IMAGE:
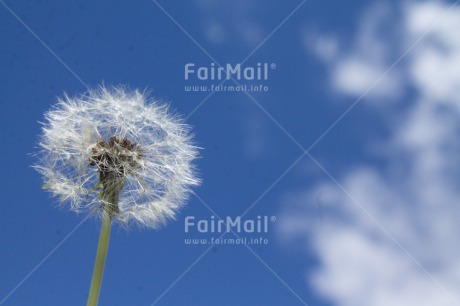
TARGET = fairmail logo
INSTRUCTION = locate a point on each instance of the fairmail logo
(259, 72)
(237, 224)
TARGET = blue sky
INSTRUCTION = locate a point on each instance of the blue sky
(367, 217)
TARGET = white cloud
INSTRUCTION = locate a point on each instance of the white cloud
(323, 46)
(230, 21)
(355, 70)
(434, 67)
(419, 203)
(355, 75)
(371, 273)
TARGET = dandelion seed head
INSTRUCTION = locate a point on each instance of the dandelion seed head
(127, 142)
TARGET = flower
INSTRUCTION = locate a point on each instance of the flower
(120, 149)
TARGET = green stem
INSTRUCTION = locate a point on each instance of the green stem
(100, 260)
(112, 186)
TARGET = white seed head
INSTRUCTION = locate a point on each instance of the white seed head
(127, 137)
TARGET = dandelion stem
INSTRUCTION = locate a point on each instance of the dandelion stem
(110, 200)
(100, 261)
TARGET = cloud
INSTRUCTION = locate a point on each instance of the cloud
(434, 67)
(377, 244)
(230, 21)
(364, 60)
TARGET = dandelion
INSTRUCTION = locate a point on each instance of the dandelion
(117, 155)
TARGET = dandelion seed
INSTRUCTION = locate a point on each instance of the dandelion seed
(120, 156)
(110, 134)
